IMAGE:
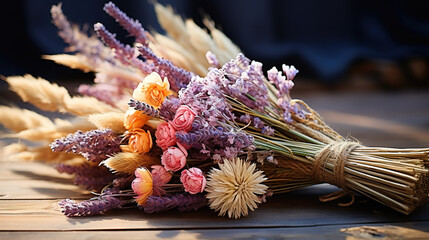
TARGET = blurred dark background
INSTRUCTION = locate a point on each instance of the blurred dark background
(358, 43)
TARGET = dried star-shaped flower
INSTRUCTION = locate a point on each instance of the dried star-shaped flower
(234, 188)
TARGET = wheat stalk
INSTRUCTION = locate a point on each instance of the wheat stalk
(112, 120)
(48, 133)
(16, 119)
(76, 61)
(128, 162)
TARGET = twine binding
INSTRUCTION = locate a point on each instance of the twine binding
(329, 166)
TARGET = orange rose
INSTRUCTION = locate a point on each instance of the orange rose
(152, 90)
(135, 119)
(139, 142)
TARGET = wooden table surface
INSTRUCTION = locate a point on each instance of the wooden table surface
(29, 191)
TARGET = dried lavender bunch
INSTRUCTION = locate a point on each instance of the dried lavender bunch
(144, 107)
(183, 202)
(95, 145)
(96, 206)
(222, 143)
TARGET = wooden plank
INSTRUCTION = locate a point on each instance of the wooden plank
(30, 170)
(35, 180)
(40, 189)
(319, 232)
(297, 209)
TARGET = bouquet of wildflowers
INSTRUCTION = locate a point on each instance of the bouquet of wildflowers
(185, 121)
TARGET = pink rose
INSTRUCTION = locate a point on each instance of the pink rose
(174, 158)
(183, 119)
(193, 180)
(165, 136)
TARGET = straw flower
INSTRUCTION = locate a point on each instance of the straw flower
(234, 187)
(152, 90)
(140, 142)
(142, 185)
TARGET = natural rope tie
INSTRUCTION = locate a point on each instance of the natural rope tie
(329, 166)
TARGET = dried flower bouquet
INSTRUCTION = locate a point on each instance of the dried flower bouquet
(185, 121)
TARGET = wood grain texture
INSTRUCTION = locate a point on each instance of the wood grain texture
(314, 232)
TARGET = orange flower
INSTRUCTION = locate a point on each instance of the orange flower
(152, 90)
(140, 142)
(142, 185)
(135, 119)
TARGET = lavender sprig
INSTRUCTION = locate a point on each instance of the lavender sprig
(84, 170)
(123, 182)
(132, 26)
(126, 54)
(169, 107)
(178, 77)
(123, 52)
(144, 107)
(90, 207)
(93, 183)
(183, 202)
(90, 47)
(95, 145)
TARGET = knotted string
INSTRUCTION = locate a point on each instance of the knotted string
(329, 166)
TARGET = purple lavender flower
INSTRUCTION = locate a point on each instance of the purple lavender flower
(267, 130)
(245, 118)
(97, 206)
(123, 182)
(90, 47)
(178, 77)
(169, 107)
(93, 183)
(104, 92)
(212, 59)
(226, 144)
(95, 145)
(132, 26)
(144, 107)
(290, 71)
(183, 202)
(283, 85)
(237, 79)
(128, 55)
(122, 52)
(83, 170)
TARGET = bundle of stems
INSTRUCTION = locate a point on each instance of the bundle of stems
(308, 151)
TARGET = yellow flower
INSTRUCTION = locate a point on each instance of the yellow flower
(135, 119)
(152, 90)
(139, 142)
(142, 185)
